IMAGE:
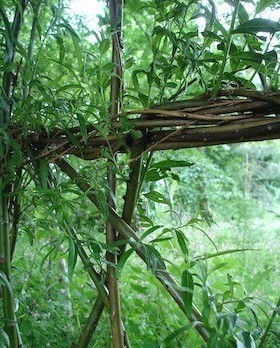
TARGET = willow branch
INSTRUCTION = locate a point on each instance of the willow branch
(11, 326)
(5, 268)
(116, 16)
(91, 324)
(134, 182)
(95, 277)
(128, 233)
(132, 187)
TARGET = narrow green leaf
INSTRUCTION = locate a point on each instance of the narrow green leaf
(212, 35)
(230, 284)
(44, 172)
(216, 267)
(257, 25)
(83, 127)
(209, 256)
(155, 174)
(78, 50)
(76, 43)
(169, 163)
(188, 288)
(182, 240)
(102, 201)
(129, 63)
(70, 87)
(153, 258)
(72, 138)
(72, 257)
(114, 246)
(45, 258)
(157, 197)
(174, 334)
(135, 80)
(125, 256)
(60, 43)
(21, 50)
(242, 14)
(160, 240)
(144, 99)
(163, 169)
(149, 231)
(104, 46)
(248, 56)
(146, 221)
(263, 4)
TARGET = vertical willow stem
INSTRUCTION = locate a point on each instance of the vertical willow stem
(115, 9)
(218, 83)
(112, 281)
(133, 186)
(102, 298)
(134, 183)
(5, 268)
(6, 182)
(91, 324)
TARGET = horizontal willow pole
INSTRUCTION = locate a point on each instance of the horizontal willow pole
(182, 124)
(128, 233)
(186, 136)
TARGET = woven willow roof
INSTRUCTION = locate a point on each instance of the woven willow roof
(236, 116)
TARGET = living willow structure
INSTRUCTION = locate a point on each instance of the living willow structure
(203, 100)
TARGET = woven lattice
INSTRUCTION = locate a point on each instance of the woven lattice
(236, 116)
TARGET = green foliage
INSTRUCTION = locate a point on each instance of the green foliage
(207, 216)
(188, 288)
(257, 25)
(4, 339)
